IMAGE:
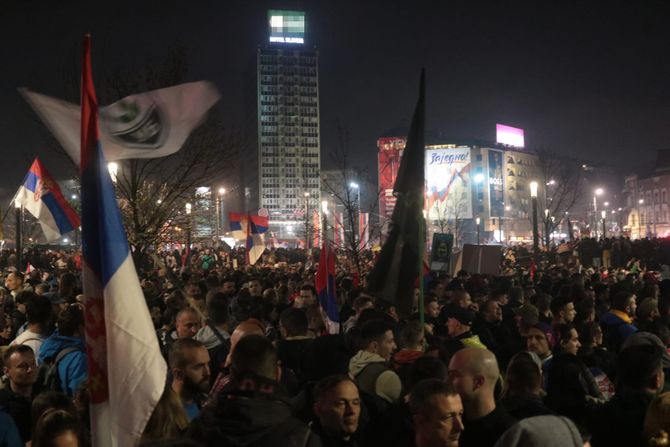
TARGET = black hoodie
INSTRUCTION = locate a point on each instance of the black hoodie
(250, 418)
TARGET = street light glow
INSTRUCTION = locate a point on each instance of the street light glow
(222, 191)
(354, 185)
(606, 204)
(478, 220)
(599, 191)
(641, 201)
(533, 189)
(188, 208)
(324, 206)
(113, 169)
(603, 213)
(551, 182)
(479, 178)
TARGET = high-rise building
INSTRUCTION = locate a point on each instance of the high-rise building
(288, 126)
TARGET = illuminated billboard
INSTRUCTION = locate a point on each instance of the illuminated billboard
(388, 162)
(287, 26)
(448, 187)
(510, 136)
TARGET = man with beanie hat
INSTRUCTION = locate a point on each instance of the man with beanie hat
(459, 325)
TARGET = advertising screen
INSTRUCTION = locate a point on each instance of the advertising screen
(388, 162)
(511, 136)
(448, 189)
(496, 189)
(287, 26)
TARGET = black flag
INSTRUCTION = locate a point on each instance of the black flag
(394, 275)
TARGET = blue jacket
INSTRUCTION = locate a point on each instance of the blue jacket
(72, 369)
(615, 331)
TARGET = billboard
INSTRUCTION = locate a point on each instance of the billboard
(388, 162)
(496, 186)
(287, 26)
(510, 136)
(448, 188)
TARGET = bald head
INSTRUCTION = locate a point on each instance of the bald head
(247, 327)
(474, 373)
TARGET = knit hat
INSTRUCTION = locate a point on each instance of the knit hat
(646, 307)
(547, 431)
(548, 333)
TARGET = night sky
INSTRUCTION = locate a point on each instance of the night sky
(589, 79)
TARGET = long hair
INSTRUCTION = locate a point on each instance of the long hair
(168, 420)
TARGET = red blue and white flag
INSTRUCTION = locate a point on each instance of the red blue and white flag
(325, 288)
(250, 229)
(126, 370)
(41, 196)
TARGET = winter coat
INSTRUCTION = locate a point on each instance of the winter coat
(72, 369)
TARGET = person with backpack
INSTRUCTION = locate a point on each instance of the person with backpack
(214, 335)
(62, 356)
(370, 366)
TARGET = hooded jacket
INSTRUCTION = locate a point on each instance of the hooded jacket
(377, 380)
(72, 368)
(250, 419)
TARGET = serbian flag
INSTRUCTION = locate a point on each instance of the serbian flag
(42, 197)
(325, 288)
(126, 370)
(256, 227)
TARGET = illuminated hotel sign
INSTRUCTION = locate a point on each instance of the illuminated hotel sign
(287, 26)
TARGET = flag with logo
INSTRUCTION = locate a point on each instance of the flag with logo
(126, 370)
(41, 196)
(325, 288)
(145, 125)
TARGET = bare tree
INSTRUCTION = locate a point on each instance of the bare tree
(561, 180)
(447, 215)
(152, 193)
(349, 199)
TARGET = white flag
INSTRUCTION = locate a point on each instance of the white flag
(146, 125)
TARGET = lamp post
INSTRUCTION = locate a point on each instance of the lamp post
(357, 187)
(639, 218)
(507, 210)
(536, 236)
(19, 233)
(188, 207)
(308, 243)
(478, 221)
(597, 192)
(324, 224)
(603, 214)
(219, 213)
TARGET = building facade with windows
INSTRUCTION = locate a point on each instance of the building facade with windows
(646, 201)
(288, 128)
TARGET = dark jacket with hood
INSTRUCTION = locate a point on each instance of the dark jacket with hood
(250, 419)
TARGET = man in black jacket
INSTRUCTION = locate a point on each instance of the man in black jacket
(255, 411)
(338, 408)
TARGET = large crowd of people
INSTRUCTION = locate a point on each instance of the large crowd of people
(568, 352)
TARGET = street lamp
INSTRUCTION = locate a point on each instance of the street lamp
(603, 214)
(113, 169)
(307, 235)
(19, 232)
(536, 236)
(507, 210)
(478, 221)
(188, 208)
(219, 213)
(357, 187)
(639, 218)
(597, 192)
